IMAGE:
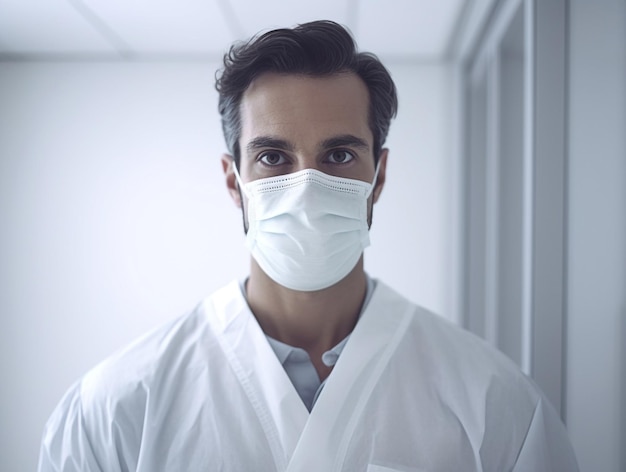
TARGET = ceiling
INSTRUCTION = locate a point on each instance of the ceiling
(203, 29)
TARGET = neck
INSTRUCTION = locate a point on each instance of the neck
(314, 321)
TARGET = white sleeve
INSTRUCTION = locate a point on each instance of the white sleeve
(546, 447)
(66, 445)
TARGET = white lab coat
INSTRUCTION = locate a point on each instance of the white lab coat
(410, 392)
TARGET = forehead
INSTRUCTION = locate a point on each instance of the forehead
(293, 106)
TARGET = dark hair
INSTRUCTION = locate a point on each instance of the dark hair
(319, 48)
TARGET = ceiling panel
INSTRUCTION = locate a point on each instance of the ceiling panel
(33, 26)
(166, 26)
(254, 16)
(418, 29)
(407, 28)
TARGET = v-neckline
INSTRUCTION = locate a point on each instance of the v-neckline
(295, 435)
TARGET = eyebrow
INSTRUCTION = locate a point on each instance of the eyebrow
(262, 142)
(342, 140)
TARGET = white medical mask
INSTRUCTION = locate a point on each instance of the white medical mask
(307, 230)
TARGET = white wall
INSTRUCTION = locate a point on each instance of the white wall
(115, 218)
(596, 285)
(415, 222)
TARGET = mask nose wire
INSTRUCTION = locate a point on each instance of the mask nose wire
(243, 187)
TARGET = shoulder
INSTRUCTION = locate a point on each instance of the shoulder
(154, 357)
(153, 364)
(461, 377)
(103, 414)
(137, 366)
(439, 335)
(465, 362)
(98, 424)
(455, 359)
(457, 345)
(117, 390)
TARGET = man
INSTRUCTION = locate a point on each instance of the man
(308, 364)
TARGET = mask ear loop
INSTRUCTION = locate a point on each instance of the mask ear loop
(374, 181)
(242, 187)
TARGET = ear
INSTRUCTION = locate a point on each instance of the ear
(382, 174)
(228, 163)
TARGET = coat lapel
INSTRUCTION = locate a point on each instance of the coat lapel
(274, 398)
(326, 436)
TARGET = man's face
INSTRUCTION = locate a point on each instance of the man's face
(294, 122)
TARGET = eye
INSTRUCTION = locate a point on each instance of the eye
(340, 157)
(272, 158)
